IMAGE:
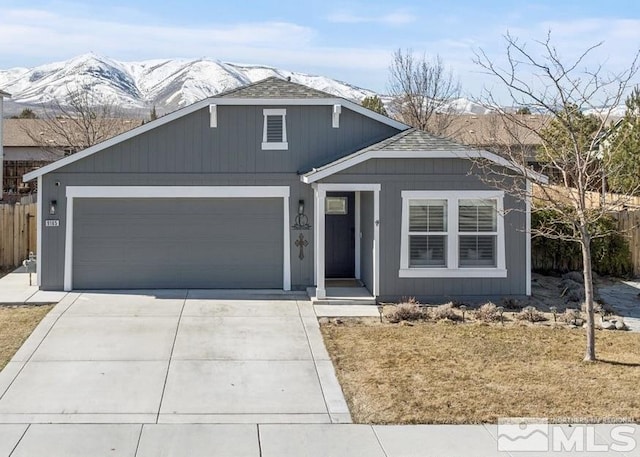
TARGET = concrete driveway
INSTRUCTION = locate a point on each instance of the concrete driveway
(174, 356)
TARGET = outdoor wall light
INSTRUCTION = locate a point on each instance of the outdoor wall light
(302, 221)
(53, 206)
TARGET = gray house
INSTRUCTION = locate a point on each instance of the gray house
(279, 186)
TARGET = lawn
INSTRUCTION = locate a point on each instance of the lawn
(16, 324)
(475, 373)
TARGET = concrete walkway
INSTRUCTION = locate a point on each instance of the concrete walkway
(624, 297)
(16, 290)
(173, 357)
(291, 440)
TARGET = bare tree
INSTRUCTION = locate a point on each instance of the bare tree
(76, 122)
(422, 92)
(541, 80)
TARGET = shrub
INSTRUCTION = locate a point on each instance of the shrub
(530, 314)
(445, 311)
(609, 249)
(488, 313)
(409, 311)
(511, 304)
(570, 316)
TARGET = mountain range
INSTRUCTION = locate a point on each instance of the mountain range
(167, 84)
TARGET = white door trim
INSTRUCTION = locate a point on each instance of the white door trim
(320, 193)
(358, 235)
(73, 192)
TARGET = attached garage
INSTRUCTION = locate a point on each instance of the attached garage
(201, 237)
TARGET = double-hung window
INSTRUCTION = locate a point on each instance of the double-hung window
(428, 233)
(274, 131)
(452, 234)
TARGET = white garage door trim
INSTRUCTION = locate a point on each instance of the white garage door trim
(73, 192)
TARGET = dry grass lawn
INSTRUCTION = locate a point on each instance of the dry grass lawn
(16, 324)
(475, 373)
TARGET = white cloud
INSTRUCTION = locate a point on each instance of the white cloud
(394, 18)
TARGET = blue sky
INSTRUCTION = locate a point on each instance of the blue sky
(347, 40)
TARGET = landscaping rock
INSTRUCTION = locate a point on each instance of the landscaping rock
(323, 320)
(574, 276)
(608, 325)
(620, 325)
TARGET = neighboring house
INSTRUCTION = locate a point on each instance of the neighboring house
(279, 186)
(30, 144)
(499, 134)
(22, 154)
(3, 94)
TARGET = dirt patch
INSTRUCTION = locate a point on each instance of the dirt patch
(475, 373)
(16, 324)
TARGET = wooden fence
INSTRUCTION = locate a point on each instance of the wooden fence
(629, 225)
(18, 232)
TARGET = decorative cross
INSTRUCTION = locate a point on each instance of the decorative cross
(301, 243)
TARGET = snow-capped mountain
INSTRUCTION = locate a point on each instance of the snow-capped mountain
(166, 83)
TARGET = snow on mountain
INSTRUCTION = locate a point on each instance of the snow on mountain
(166, 83)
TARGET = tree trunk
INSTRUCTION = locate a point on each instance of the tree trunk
(590, 355)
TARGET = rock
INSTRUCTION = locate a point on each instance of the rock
(406, 324)
(337, 321)
(323, 320)
(608, 325)
(620, 325)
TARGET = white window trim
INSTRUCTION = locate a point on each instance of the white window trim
(452, 270)
(73, 192)
(283, 145)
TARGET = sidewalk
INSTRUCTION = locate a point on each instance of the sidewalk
(281, 440)
(15, 290)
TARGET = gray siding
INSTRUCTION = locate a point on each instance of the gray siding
(187, 152)
(396, 175)
(366, 242)
(53, 237)
(189, 145)
(186, 243)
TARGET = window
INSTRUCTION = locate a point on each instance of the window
(274, 133)
(336, 205)
(478, 228)
(452, 234)
(427, 233)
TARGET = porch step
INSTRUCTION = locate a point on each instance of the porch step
(343, 296)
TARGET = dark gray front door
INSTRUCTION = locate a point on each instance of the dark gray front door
(340, 235)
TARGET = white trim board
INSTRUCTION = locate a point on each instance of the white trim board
(452, 270)
(350, 161)
(73, 192)
(320, 194)
(221, 101)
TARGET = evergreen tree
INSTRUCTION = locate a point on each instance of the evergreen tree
(374, 104)
(569, 137)
(523, 110)
(623, 146)
(153, 115)
(26, 113)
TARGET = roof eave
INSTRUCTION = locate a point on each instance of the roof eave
(357, 158)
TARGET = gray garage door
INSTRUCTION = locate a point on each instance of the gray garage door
(177, 243)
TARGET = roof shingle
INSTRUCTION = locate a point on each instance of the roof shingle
(274, 87)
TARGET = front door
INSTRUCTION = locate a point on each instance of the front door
(340, 235)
